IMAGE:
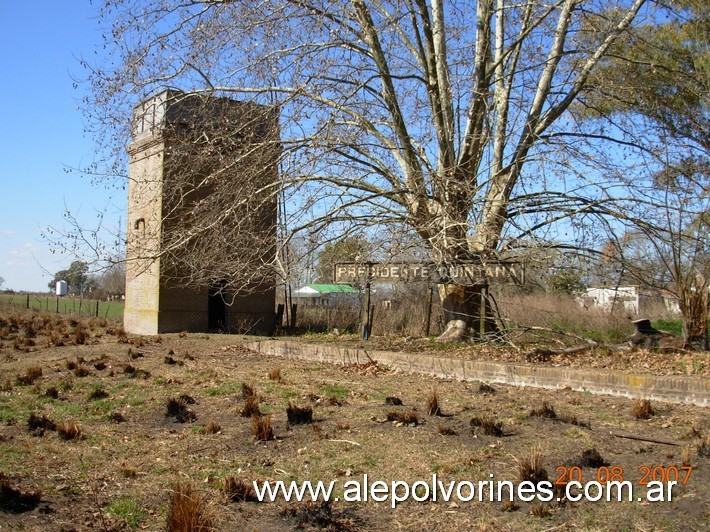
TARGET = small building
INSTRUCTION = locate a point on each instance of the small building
(326, 295)
(632, 299)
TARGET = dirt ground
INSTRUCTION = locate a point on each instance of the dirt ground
(121, 471)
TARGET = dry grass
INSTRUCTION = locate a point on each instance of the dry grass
(488, 424)
(38, 424)
(81, 335)
(531, 468)
(117, 417)
(545, 411)
(52, 392)
(97, 393)
(188, 511)
(237, 490)
(248, 391)
(642, 409)
(251, 407)
(275, 375)
(540, 510)
(446, 431)
(212, 428)
(486, 389)
(433, 408)
(31, 375)
(298, 415)
(177, 407)
(128, 472)
(70, 430)
(686, 456)
(407, 418)
(591, 458)
(319, 515)
(261, 428)
(141, 456)
(81, 371)
(559, 312)
(703, 448)
(510, 506)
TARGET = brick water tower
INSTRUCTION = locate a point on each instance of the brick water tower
(198, 254)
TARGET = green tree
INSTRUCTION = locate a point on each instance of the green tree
(76, 276)
(658, 77)
(567, 282)
(350, 249)
(660, 71)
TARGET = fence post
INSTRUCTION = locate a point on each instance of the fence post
(97, 308)
(294, 311)
(279, 316)
(366, 318)
(427, 321)
(57, 304)
(28, 301)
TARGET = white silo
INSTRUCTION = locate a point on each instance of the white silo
(61, 288)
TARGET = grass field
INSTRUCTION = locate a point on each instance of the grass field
(111, 310)
(99, 430)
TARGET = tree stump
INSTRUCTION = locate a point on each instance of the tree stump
(645, 335)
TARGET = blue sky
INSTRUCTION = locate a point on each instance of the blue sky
(43, 134)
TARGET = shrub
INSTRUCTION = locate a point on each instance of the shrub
(97, 393)
(488, 424)
(642, 409)
(188, 511)
(407, 418)
(237, 490)
(70, 430)
(299, 415)
(251, 407)
(30, 376)
(177, 407)
(545, 411)
(433, 408)
(531, 468)
(261, 428)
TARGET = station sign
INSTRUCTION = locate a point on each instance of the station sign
(499, 272)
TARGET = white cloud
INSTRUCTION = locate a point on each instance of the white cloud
(7, 232)
(25, 251)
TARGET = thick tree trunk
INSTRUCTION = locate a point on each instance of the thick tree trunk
(694, 307)
(470, 304)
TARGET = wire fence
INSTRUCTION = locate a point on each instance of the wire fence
(112, 310)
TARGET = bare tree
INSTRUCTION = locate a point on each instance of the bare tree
(438, 115)
(666, 247)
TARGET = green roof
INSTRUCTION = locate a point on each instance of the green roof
(333, 288)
